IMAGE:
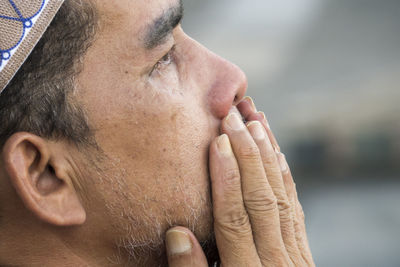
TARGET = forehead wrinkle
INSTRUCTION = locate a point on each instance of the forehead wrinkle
(163, 26)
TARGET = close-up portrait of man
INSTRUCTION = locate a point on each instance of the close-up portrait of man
(124, 142)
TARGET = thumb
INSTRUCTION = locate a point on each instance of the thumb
(183, 249)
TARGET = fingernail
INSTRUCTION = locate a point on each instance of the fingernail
(266, 121)
(223, 144)
(234, 122)
(283, 163)
(251, 102)
(178, 242)
(256, 130)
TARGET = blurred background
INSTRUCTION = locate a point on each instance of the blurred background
(327, 74)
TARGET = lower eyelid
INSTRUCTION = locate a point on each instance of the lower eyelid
(171, 58)
(160, 65)
(174, 56)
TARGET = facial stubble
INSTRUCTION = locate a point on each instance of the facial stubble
(140, 232)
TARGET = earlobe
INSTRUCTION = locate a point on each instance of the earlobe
(40, 181)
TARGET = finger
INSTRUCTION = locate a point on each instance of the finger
(246, 107)
(260, 116)
(266, 225)
(231, 222)
(183, 249)
(274, 174)
(299, 224)
(301, 236)
(249, 111)
(301, 228)
(258, 196)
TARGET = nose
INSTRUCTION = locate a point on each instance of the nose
(224, 82)
(227, 88)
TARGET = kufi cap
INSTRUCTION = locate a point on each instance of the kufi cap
(22, 24)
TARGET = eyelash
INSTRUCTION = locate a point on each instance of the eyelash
(165, 61)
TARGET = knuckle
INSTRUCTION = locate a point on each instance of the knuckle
(270, 158)
(236, 223)
(300, 211)
(285, 209)
(260, 201)
(297, 225)
(275, 257)
(302, 216)
(231, 176)
(250, 152)
(299, 261)
(274, 175)
(284, 205)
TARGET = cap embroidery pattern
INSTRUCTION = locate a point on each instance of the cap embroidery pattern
(22, 24)
(18, 17)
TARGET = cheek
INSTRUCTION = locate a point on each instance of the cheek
(157, 130)
(164, 158)
(166, 82)
(172, 137)
(156, 135)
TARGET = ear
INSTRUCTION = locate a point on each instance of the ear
(41, 180)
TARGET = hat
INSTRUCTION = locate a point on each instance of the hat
(22, 24)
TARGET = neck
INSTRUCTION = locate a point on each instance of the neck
(42, 245)
(59, 247)
(38, 250)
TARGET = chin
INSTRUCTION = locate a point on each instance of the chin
(140, 220)
(195, 213)
(152, 252)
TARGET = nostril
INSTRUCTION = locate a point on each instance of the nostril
(241, 88)
(228, 88)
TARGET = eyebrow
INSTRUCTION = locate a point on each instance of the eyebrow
(163, 26)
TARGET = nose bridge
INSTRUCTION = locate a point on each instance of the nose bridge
(228, 86)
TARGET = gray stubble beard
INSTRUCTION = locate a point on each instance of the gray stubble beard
(142, 241)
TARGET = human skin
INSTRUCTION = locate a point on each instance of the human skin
(154, 118)
(154, 128)
(258, 220)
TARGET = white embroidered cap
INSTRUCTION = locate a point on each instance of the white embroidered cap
(22, 24)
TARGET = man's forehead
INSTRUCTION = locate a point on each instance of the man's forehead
(132, 13)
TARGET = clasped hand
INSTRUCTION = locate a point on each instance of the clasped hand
(258, 220)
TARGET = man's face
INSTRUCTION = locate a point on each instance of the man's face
(155, 98)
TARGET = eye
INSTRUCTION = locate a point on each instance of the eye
(164, 61)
